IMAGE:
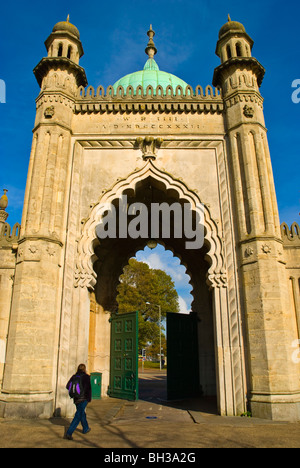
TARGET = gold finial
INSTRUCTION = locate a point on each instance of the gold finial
(229, 19)
(68, 19)
(151, 50)
(4, 200)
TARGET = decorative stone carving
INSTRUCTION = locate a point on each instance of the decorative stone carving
(248, 111)
(3, 216)
(51, 251)
(266, 249)
(249, 251)
(33, 249)
(49, 112)
(290, 235)
(217, 280)
(149, 145)
(84, 278)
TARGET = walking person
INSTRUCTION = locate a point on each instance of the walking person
(79, 387)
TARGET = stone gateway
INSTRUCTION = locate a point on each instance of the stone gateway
(151, 138)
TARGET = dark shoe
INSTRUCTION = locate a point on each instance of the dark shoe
(89, 430)
(67, 436)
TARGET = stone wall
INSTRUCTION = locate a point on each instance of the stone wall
(291, 243)
(8, 248)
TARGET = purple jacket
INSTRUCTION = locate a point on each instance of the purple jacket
(86, 382)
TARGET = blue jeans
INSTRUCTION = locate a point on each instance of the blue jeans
(80, 416)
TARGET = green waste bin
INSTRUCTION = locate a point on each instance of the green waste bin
(96, 383)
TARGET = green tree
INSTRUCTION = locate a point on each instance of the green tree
(153, 348)
(140, 284)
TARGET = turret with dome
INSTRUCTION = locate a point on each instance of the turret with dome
(64, 52)
(234, 48)
(64, 41)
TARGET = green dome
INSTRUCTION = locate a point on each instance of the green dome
(150, 75)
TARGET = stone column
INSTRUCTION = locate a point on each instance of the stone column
(270, 328)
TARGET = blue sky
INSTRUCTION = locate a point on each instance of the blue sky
(114, 39)
(161, 259)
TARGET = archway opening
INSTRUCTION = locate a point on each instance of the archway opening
(156, 284)
(112, 254)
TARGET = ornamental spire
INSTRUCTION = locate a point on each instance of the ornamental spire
(3, 206)
(4, 200)
(151, 50)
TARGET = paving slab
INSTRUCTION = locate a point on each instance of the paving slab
(152, 423)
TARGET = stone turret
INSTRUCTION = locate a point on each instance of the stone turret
(64, 51)
(59, 76)
(240, 76)
(43, 231)
(262, 266)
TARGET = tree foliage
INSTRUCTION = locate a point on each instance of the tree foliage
(140, 284)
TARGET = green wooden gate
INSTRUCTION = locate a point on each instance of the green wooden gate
(124, 357)
(183, 360)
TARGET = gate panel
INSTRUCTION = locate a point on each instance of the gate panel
(124, 357)
(183, 360)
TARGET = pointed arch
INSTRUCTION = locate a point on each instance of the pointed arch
(85, 275)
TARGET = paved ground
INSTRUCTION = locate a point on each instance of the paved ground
(154, 423)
